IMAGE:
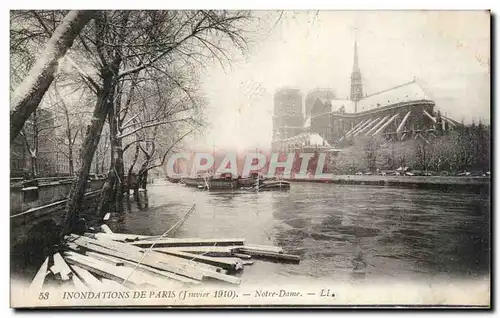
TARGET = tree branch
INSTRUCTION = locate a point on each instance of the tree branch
(170, 148)
(121, 136)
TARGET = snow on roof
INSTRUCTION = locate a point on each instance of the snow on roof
(333, 106)
(404, 93)
(307, 139)
(342, 105)
(317, 140)
(307, 123)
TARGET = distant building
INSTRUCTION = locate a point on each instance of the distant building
(288, 119)
(40, 136)
(314, 94)
(19, 158)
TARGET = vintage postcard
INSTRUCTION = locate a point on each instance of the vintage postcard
(212, 158)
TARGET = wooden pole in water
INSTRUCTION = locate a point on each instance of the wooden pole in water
(174, 227)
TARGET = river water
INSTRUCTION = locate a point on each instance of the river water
(341, 232)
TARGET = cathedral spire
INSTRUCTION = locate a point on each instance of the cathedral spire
(355, 66)
(356, 79)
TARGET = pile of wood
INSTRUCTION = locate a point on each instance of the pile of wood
(95, 261)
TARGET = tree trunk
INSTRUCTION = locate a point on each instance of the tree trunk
(69, 136)
(34, 167)
(140, 175)
(144, 180)
(119, 170)
(137, 186)
(97, 164)
(29, 93)
(107, 190)
(146, 199)
(141, 181)
(70, 161)
(102, 163)
(130, 174)
(145, 192)
(93, 134)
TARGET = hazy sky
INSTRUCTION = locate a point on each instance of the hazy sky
(447, 52)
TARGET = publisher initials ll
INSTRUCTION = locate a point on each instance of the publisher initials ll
(326, 293)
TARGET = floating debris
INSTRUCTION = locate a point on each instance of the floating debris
(94, 261)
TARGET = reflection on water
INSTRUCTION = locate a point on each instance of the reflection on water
(341, 232)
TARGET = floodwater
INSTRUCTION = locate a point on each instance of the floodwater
(341, 232)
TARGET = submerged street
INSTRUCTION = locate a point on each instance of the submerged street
(344, 233)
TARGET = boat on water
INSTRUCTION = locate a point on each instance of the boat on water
(246, 182)
(264, 184)
(272, 185)
(174, 180)
(224, 181)
(192, 182)
(229, 182)
(217, 183)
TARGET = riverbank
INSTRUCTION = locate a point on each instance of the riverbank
(424, 182)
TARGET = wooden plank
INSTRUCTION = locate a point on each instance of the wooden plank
(84, 268)
(265, 248)
(125, 276)
(64, 269)
(119, 236)
(242, 256)
(110, 244)
(79, 285)
(89, 279)
(139, 252)
(157, 260)
(228, 265)
(184, 263)
(107, 216)
(148, 269)
(148, 260)
(152, 261)
(72, 246)
(133, 273)
(55, 270)
(205, 250)
(170, 242)
(134, 257)
(223, 277)
(106, 258)
(106, 229)
(37, 282)
(288, 258)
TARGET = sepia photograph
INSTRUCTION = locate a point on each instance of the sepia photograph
(250, 158)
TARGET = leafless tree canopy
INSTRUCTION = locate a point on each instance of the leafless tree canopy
(142, 70)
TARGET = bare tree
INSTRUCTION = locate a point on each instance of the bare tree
(37, 128)
(30, 92)
(71, 116)
(123, 43)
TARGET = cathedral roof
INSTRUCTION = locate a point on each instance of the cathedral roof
(407, 92)
(307, 139)
(333, 105)
(341, 105)
(403, 93)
